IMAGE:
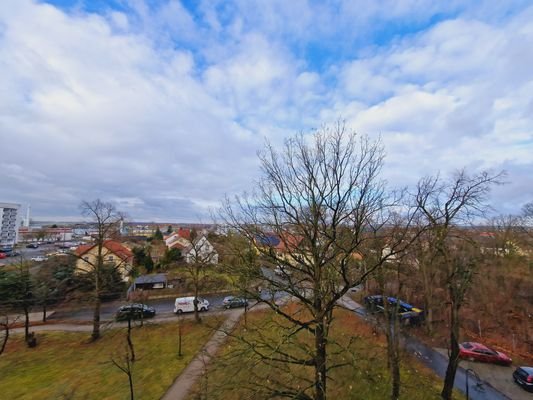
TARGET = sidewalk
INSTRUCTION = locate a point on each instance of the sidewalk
(35, 318)
(87, 326)
(184, 382)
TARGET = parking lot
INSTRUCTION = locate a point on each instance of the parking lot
(28, 253)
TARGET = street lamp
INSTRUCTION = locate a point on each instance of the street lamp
(479, 384)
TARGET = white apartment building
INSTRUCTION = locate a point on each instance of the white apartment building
(9, 223)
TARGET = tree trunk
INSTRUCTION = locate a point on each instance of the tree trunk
(320, 362)
(44, 311)
(180, 333)
(196, 313)
(97, 301)
(428, 300)
(392, 331)
(453, 362)
(130, 343)
(26, 324)
(6, 337)
(96, 318)
(395, 364)
(130, 378)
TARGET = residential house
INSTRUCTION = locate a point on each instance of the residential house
(197, 250)
(200, 250)
(285, 246)
(179, 240)
(113, 253)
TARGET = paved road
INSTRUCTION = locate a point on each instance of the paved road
(162, 306)
(108, 310)
(437, 362)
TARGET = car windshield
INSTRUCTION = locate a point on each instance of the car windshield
(467, 345)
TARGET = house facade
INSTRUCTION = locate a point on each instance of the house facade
(113, 253)
(200, 250)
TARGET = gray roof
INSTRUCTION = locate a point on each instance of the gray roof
(153, 278)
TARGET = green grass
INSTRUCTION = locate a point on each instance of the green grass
(367, 377)
(67, 365)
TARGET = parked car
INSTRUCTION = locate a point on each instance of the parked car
(523, 376)
(39, 258)
(134, 311)
(13, 253)
(233, 302)
(32, 246)
(479, 352)
(186, 304)
(407, 313)
(3, 255)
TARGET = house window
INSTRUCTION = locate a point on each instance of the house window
(110, 258)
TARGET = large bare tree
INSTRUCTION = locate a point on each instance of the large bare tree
(448, 207)
(313, 217)
(106, 220)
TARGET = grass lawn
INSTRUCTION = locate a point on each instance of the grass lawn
(239, 374)
(67, 366)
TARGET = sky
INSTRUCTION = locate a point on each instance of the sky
(161, 106)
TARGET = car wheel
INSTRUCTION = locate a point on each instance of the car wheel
(179, 312)
(203, 309)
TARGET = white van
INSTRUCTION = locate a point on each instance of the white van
(186, 304)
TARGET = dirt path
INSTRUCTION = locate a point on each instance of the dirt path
(184, 382)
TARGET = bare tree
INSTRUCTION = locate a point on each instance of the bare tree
(5, 325)
(125, 364)
(447, 206)
(200, 256)
(107, 223)
(314, 215)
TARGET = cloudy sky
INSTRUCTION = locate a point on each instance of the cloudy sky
(160, 106)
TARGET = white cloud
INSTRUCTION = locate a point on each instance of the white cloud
(162, 109)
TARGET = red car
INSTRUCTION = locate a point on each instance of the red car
(3, 255)
(479, 352)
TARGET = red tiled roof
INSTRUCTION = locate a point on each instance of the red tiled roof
(184, 233)
(176, 245)
(113, 246)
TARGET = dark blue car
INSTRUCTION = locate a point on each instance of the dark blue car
(406, 312)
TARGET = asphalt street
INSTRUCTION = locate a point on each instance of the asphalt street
(478, 389)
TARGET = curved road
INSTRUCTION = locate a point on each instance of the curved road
(437, 362)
